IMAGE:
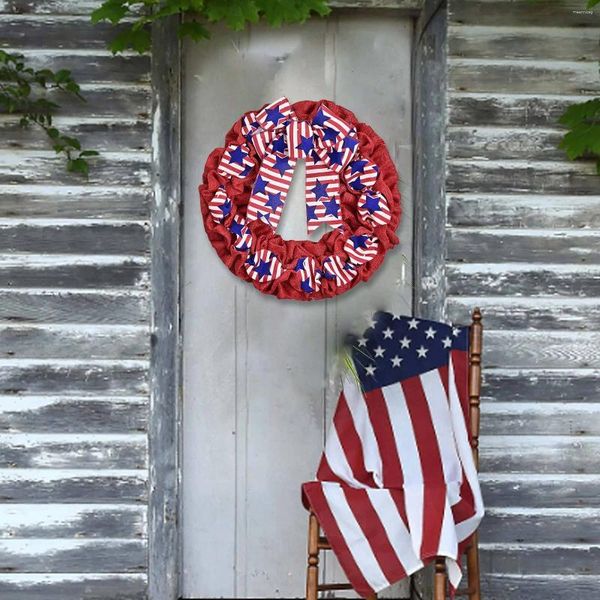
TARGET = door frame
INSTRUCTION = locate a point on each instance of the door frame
(164, 428)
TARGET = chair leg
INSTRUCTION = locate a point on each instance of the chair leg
(440, 579)
(312, 571)
(473, 569)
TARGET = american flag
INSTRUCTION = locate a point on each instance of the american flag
(397, 484)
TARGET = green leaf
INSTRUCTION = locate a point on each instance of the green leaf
(194, 30)
(583, 138)
(78, 165)
(139, 40)
(53, 133)
(89, 153)
(111, 10)
(592, 3)
(70, 141)
(577, 113)
(235, 13)
(73, 88)
(62, 76)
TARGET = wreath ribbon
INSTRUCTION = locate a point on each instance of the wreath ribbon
(327, 143)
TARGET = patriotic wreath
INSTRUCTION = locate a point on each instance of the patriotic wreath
(351, 185)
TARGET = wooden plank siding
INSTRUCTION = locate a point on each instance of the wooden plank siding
(522, 242)
(75, 321)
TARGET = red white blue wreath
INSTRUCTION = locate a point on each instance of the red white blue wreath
(351, 186)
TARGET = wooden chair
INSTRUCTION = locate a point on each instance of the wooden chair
(440, 581)
(318, 542)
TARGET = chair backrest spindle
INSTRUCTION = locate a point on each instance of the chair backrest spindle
(475, 348)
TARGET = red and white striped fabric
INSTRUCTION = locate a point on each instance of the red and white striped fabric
(397, 485)
(361, 173)
(310, 276)
(243, 236)
(271, 189)
(299, 138)
(236, 161)
(272, 115)
(322, 192)
(325, 121)
(374, 208)
(335, 266)
(220, 205)
(263, 266)
(361, 248)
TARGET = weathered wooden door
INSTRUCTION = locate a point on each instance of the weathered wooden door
(259, 377)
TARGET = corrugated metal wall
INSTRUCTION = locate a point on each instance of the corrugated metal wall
(74, 322)
(523, 243)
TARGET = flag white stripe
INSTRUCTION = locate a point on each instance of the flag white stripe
(410, 461)
(436, 397)
(336, 457)
(364, 428)
(357, 544)
(464, 528)
(448, 545)
(398, 534)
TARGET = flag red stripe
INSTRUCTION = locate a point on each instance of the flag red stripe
(318, 502)
(375, 533)
(431, 464)
(378, 415)
(351, 442)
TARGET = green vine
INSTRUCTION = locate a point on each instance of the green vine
(140, 14)
(23, 91)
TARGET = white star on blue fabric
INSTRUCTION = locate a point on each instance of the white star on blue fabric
(388, 334)
(413, 323)
(370, 370)
(379, 352)
(422, 352)
(430, 333)
(396, 361)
